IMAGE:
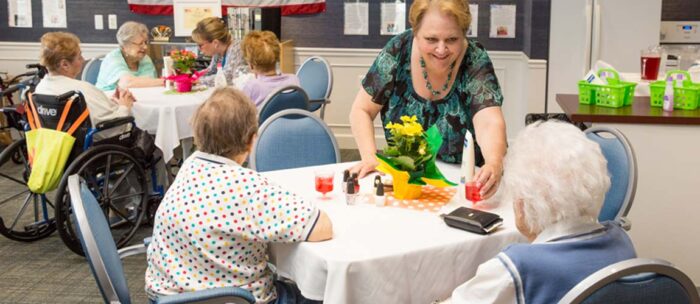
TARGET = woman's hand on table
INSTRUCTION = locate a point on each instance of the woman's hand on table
(123, 97)
(363, 168)
(489, 177)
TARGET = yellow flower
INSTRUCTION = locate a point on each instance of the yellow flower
(412, 129)
(407, 119)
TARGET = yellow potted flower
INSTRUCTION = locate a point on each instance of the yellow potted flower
(410, 158)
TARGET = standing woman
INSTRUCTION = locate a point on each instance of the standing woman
(128, 66)
(433, 72)
(214, 39)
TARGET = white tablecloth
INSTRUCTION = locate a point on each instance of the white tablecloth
(383, 254)
(166, 115)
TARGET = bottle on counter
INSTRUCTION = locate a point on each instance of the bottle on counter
(668, 95)
(467, 170)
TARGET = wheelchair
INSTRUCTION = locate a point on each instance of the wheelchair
(24, 216)
(106, 158)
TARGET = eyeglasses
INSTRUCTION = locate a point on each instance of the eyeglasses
(200, 45)
(141, 44)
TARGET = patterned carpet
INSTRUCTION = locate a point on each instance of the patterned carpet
(45, 271)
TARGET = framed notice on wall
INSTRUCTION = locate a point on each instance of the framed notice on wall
(186, 14)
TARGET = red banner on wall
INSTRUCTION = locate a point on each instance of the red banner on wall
(289, 7)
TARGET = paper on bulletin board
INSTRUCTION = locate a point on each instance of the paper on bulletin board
(186, 14)
(54, 13)
(393, 17)
(19, 13)
(356, 17)
(474, 26)
(502, 21)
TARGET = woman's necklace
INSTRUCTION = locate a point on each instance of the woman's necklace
(428, 85)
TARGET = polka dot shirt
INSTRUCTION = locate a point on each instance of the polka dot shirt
(213, 227)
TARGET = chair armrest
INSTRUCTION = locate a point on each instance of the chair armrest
(222, 295)
(625, 223)
(323, 101)
(114, 122)
(132, 250)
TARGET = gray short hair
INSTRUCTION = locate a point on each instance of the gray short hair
(129, 30)
(225, 123)
(557, 172)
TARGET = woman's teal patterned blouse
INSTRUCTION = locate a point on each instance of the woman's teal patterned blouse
(475, 88)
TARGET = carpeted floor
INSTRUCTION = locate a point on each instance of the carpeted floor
(45, 271)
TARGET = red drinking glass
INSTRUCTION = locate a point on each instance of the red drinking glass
(324, 182)
(472, 191)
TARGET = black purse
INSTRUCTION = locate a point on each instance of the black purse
(473, 220)
(143, 145)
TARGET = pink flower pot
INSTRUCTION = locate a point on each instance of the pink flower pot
(183, 85)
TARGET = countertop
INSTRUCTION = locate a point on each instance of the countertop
(640, 112)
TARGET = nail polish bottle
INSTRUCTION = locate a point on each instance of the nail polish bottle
(355, 182)
(377, 181)
(350, 194)
(346, 177)
(379, 198)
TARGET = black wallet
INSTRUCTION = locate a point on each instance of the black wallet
(473, 220)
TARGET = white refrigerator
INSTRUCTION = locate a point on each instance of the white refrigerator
(584, 31)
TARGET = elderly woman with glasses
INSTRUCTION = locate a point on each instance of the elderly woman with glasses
(214, 40)
(128, 66)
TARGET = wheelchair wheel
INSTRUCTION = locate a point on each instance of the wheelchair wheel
(118, 181)
(24, 216)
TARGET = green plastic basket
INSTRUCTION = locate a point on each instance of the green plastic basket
(685, 97)
(615, 94)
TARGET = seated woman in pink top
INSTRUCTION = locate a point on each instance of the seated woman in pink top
(261, 50)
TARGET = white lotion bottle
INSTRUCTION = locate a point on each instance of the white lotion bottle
(467, 171)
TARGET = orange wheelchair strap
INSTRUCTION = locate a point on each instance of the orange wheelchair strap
(33, 119)
(66, 109)
(78, 122)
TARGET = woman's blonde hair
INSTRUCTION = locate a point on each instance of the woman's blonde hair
(459, 9)
(225, 123)
(261, 49)
(57, 46)
(209, 29)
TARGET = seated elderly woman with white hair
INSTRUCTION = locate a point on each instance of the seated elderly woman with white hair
(128, 66)
(556, 179)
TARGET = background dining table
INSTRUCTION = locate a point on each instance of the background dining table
(167, 114)
(383, 254)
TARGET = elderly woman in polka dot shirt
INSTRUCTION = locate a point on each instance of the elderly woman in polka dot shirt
(215, 222)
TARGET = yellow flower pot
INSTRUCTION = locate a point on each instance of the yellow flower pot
(404, 190)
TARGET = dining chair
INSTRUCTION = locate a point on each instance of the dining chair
(637, 280)
(622, 167)
(288, 97)
(91, 70)
(316, 77)
(105, 260)
(293, 138)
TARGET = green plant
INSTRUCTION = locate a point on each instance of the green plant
(183, 61)
(408, 147)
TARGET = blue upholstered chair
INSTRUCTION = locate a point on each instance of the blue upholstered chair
(622, 167)
(289, 97)
(636, 281)
(316, 77)
(91, 70)
(105, 260)
(291, 139)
